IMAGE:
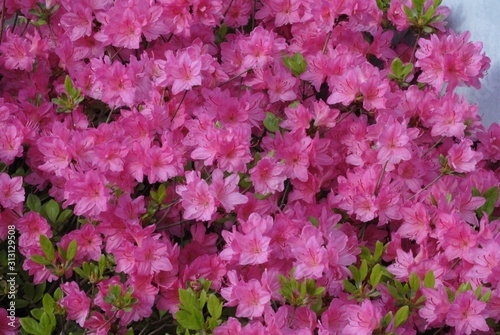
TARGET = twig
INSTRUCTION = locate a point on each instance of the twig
(2, 20)
(178, 106)
(233, 78)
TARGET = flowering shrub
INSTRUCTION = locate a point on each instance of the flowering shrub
(245, 167)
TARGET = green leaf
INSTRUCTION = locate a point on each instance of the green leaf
(68, 86)
(486, 297)
(349, 286)
(437, 18)
(429, 279)
(47, 247)
(375, 275)
(401, 316)
(31, 326)
(419, 5)
(71, 250)
(193, 321)
(48, 303)
(397, 67)
(52, 210)
(414, 282)
(379, 250)
(491, 196)
(271, 122)
(40, 260)
(314, 221)
(262, 197)
(58, 294)
(36, 313)
(386, 320)
(33, 202)
(363, 270)
(214, 306)
(64, 216)
(162, 193)
(355, 273)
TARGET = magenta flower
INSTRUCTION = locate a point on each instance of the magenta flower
(76, 302)
(89, 193)
(467, 314)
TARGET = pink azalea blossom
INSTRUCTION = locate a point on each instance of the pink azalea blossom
(467, 314)
(76, 302)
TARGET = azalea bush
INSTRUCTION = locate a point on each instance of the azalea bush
(244, 167)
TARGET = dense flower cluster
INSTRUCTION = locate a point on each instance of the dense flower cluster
(305, 166)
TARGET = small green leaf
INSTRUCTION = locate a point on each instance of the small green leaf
(71, 250)
(64, 216)
(52, 210)
(68, 86)
(314, 221)
(271, 122)
(33, 202)
(349, 286)
(214, 306)
(36, 313)
(397, 67)
(486, 297)
(414, 282)
(193, 321)
(379, 250)
(401, 316)
(386, 320)
(48, 303)
(375, 275)
(47, 247)
(429, 279)
(31, 326)
(363, 270)
(262, 197)
(81, 273)
(40, 260)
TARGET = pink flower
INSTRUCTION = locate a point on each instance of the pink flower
(362, 320)
(9, 324)
(252, 298)
(11, 191)
(76, 302)
(268, 176)
(226, 190)
(467, 314)
(393, 143)
(436, 306)
(462, 158)
(11, 139)
(151, 257)
(89, 192)
(197, 200)
(184, 70)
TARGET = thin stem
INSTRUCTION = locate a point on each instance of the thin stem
(428, 185)
(116, 54)
(282, 203)
(326, 42)
(434, 145)
(233, 78)
(345, 116)
(178, 106)
(227, 9)
(109, 115)
(2, 20)
(173, 224)
(379, 182)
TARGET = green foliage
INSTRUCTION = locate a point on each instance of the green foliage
(69, 100)
(115, 298)
(296, 63)
(200, 309)
(42, 13)
(43, 321)
(420, 18)
(400, 71)
(93, 272)
(300, 294)
(272, 123)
